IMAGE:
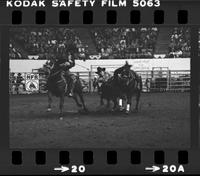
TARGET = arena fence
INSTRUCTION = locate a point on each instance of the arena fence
(155, 80)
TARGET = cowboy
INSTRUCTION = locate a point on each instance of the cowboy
(103, 76)
(65, 63)
(70, 78)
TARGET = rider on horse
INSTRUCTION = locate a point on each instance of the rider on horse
(65, 63)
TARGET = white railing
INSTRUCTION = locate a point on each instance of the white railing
(153, 81)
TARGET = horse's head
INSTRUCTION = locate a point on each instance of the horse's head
(125, 77)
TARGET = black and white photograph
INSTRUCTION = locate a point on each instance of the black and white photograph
(99, 87)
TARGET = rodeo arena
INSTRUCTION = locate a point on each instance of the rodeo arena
(100, 87)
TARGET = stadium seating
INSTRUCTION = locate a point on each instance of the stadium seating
(45, 42)
(14, 53)
(110, 43)
(180, 43)
(121, 43)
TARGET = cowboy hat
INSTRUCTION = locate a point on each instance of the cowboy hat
(99, 69)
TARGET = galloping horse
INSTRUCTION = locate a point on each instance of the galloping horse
(130, 84)
(57, 86)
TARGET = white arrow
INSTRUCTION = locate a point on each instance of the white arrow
(153, 168)
(62, 169)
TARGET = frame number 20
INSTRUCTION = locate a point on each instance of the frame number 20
(77, 169)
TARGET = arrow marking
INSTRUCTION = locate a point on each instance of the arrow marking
(152, 169)
(61, 169)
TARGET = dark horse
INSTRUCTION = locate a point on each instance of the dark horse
(130, 84)
(108, 91)
(57, 85)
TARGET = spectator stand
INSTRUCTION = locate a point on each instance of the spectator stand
(125, 42)
(180, 43)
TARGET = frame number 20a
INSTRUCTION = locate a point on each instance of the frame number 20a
(166, 169)
(173, 169)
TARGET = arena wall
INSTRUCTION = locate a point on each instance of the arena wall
(83, 66)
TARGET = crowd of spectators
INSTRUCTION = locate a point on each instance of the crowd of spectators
(180, 43)
(13, 52)
(123, 43)
(110, 43)
(46, 42)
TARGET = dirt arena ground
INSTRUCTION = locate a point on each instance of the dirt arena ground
(162, 122)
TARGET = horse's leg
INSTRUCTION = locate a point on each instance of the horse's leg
(76, 100)
(82, 101)
(101, 101)
(121, 103)
(62, 98)
(49, 94)
(108, 103)
(129, 101)
(137, 100)
(115, 104)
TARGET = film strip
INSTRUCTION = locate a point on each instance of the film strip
(111, 17)
(158, 40)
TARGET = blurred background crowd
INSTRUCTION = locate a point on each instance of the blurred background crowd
(108, 43)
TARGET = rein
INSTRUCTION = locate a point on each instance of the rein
(51, 75)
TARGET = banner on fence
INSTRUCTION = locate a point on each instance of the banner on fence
(32, 82)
